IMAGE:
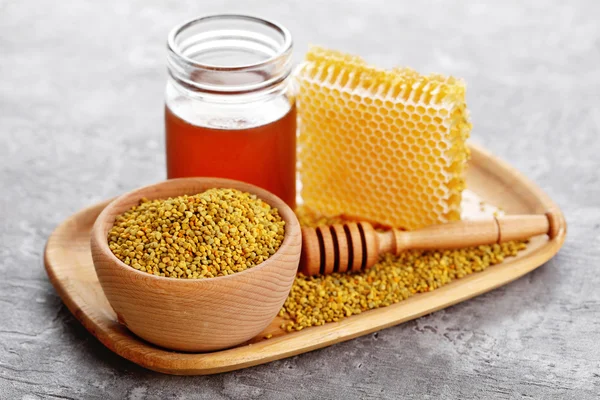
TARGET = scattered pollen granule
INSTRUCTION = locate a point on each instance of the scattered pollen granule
(214, 233)
(327, 298)
(380, 145)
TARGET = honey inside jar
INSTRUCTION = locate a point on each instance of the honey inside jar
(263, 155)
(229, 110)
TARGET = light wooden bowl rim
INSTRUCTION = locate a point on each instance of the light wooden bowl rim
(286, 213)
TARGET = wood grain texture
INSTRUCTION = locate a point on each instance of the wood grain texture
(326, 254)
(195, 314)
(75, 282)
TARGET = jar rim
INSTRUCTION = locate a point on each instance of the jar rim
(282, 51)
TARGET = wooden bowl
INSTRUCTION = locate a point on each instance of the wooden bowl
(196, 314)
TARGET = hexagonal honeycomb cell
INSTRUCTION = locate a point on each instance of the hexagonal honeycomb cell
(388, 146)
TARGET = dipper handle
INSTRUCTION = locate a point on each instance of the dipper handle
(356, 245)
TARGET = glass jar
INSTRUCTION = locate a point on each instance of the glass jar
(229, 110)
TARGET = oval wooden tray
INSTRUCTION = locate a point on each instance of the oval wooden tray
(69, 265)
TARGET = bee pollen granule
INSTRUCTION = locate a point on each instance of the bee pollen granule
(214, 233)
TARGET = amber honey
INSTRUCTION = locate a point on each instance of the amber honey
(263, 155)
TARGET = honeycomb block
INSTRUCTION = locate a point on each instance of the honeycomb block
(387, 146)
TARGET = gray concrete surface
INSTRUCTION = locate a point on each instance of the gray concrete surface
(81, 89)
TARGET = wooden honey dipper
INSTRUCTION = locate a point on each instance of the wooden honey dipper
(354, 246)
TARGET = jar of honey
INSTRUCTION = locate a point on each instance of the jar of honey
(229, 110)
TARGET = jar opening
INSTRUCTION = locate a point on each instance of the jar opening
(229, 54)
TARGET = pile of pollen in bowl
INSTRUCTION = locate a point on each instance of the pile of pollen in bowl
(215, 233)
(315, 300)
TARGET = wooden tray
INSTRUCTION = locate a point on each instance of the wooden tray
(69, 265)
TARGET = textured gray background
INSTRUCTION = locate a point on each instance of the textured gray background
(81, 91)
